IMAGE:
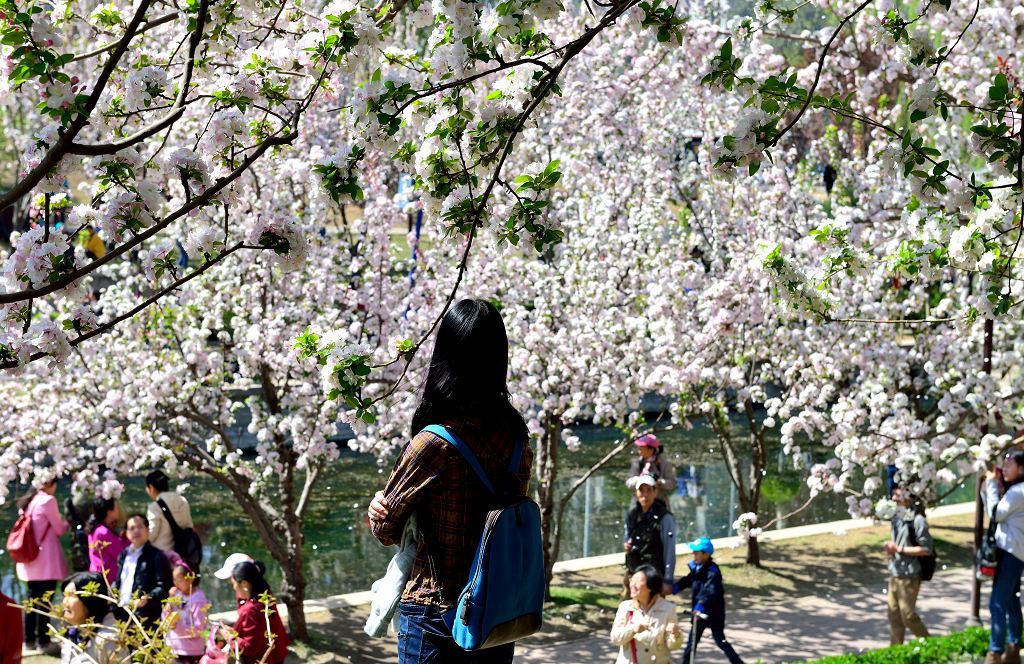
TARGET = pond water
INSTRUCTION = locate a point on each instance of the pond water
(342, 556)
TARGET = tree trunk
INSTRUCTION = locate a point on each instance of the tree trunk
(753, 552)
(749, 503)
(293, 594)
(285, 547)
(546, 467)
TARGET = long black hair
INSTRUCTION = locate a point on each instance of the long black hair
(468, 370)
(101, 507)
(252, 573)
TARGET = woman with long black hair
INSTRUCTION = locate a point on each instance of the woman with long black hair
(466, 391)
(1006, 498)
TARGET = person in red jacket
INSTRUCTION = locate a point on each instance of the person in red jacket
(256, 633)
(11, 634)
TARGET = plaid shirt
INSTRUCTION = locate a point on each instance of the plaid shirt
(433, 480)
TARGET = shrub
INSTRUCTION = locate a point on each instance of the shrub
(933, 650)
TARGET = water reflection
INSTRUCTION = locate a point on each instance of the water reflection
(342, 556)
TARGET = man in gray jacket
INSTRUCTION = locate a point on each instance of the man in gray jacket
(910, 542)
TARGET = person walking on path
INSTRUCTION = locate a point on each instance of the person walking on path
(645, 627)
(652, 462)
(44, 572)
(1006, 499)
(158, 489)
(258, 616)
(144, 574)
(105, 541)
(466, 391)
(650, 537)
(910, 542)
(11, 631)
(707, 597)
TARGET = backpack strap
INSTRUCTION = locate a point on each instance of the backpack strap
(175, 528)
(466, 453)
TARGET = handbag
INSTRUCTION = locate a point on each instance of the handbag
(986, 560)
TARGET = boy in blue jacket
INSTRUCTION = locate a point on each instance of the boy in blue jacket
(708, 600)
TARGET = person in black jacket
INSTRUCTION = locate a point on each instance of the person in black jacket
(650, 537)
(145, 573)
(708, 600)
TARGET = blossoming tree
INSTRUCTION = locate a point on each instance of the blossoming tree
(174, 104)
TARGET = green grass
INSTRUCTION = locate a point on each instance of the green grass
(601, 596)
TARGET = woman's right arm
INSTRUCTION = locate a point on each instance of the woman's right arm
(250, 635)
(420, 464)
(622, 632)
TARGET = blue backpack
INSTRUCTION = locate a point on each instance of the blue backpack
(504, 597)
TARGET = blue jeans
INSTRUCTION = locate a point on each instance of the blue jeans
(423, 638)
(716, 623)
(1004, 603)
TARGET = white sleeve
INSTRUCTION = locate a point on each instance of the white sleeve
(622, 632)
(1011, 502)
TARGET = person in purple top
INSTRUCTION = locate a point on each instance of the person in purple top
(105, 539)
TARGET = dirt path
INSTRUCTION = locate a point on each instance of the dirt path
(800, 629)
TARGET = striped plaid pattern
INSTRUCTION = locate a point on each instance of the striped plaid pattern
(432, 479)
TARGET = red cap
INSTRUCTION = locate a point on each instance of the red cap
(648, 440)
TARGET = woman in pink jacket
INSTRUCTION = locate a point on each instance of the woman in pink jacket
(49, 567)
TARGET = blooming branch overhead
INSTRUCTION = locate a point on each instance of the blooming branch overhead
(163, 114)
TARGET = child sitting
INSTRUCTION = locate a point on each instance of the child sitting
(191, 609)
(708, 600)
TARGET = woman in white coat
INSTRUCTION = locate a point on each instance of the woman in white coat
(645, 627)
(1006, 498)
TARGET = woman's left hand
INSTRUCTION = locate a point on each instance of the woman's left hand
(378, 510)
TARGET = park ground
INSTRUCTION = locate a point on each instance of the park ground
(814, 596)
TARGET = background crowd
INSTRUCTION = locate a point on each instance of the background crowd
(136, 586)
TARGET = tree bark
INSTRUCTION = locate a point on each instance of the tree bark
(546, 466)
(293, 594)
(750, 503)
(753, 552)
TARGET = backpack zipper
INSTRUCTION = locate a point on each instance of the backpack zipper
(492, 518)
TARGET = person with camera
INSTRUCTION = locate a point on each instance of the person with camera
(1004, 501)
